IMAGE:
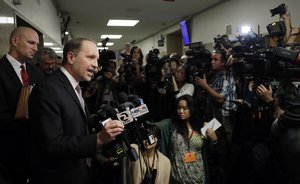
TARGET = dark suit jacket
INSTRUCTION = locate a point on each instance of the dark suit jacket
(60, 140)
(14, 135)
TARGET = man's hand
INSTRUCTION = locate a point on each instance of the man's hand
(109, 132)
(201, 82)
(264, 93)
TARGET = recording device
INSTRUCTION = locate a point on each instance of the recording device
(198, 59)
(222, 42)
(154, 65)
(104, 42)
(281, 9)
(129, 70)
(276, 29)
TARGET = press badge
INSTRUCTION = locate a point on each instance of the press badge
(189, 157)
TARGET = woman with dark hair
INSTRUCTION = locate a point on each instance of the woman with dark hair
(137, 55)
(152, 167)
(181, 82)
(187, 143)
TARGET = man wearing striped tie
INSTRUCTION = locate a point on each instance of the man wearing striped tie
(61, 143)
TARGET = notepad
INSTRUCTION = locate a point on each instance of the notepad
(213, 124)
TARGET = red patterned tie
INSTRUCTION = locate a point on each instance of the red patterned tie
(24, 76)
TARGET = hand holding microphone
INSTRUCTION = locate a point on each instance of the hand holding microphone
(110, 130)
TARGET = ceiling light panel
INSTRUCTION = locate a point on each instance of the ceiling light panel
(116, 22)
(7, 20)
(111, 36)
(107, 44)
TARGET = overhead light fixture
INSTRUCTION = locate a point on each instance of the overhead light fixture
(111, 36)
(102, 48)
(7, 20)
(116, 22)
(48, 44)
(107, 44)
(58, 51)
(66, 33)
(56, 48)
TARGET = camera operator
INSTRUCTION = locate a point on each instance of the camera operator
(291, 32)
(131, 76)
(273, 160)
(221, 91)
(223, 43)
(156, 86)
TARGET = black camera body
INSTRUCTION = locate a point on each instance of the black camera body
(259, 63)
(129, 70)
(281, 9)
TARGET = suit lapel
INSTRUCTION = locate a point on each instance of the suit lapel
(10, 72)
(69, 88)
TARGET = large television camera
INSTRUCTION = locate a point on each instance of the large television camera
(198, 59)
(154, 65)
(256, 62)
(129, 70)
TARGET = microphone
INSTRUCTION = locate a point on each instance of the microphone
(138, 113)
(122, 97)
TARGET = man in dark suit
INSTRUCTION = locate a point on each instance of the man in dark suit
(61, 144)
(14, 133)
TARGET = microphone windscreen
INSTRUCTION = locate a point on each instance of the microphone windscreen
(122, 97)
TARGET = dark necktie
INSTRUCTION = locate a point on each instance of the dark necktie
(24, 76)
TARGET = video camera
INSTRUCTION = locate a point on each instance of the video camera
(281, 9)
(129, 70)
(259, 63)
(154, 65)
(199, 58)
(222, 42)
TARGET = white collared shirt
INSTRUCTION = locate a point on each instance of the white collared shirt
(16, 65)
(73, 81)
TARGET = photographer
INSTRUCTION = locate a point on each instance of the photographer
(131, 76)
(291, 32)
(221, 91)
(156, 86)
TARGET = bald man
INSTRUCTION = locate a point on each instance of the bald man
(14, 133)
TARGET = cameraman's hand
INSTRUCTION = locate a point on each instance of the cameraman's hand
(264, 93)
(108, 75)
(109, 132)
(201, 82)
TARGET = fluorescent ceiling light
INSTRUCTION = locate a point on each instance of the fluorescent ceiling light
(58, 51)
(102, 48)
(7, 20)
(56, 48)
(115, 22)
(107, 44)
(48, 44)
(111, 36)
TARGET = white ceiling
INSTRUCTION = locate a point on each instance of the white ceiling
(89, 17)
